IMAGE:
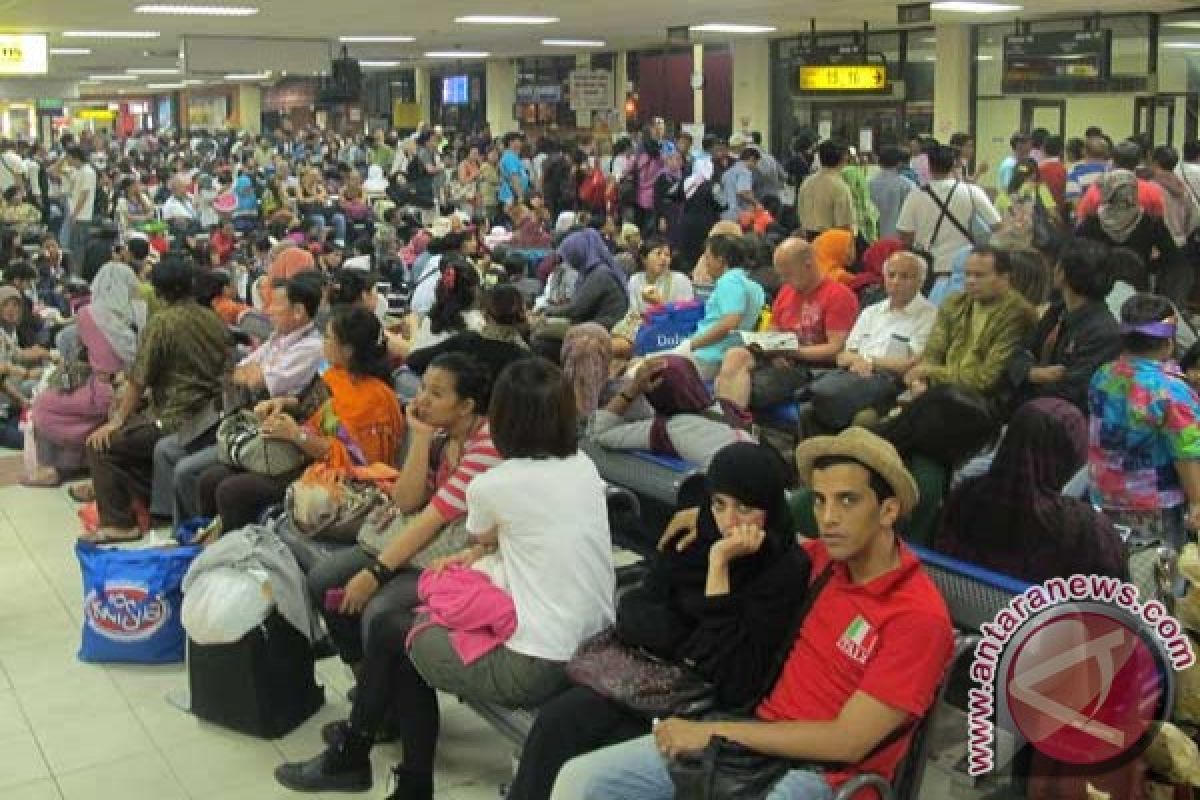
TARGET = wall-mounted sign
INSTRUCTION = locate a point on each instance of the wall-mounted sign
(913, 13)
(1063, 61)
(591, 90)
(23, 54)
(843, 78)
(97, 114)
(546, 93)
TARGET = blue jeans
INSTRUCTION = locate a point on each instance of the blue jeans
(635, 769)
(336, 219)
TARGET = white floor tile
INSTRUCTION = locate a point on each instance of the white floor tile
(219, 760)
(20, 761)
(12, 718)
(142, 777)
(48, 625)
(53, 662)
(71, 745)
(146, 684)
(86, 695)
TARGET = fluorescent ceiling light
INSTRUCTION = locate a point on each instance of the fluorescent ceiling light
(164, 85)
(248, 76)
(110, 34)
(723, 27)
(70, 51)
(457, 54)
(375, 39)
(985, 58)
(573, 42)
(89, 83)
(970, 7)
(193, 82)
(153, 70)
(1187, 23)
(1182, 45)
(198, 11)
(504, 19)
(379, 64)
(112, 77)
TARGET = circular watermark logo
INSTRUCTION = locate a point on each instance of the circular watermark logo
(1085, 683)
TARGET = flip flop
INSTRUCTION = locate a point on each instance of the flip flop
(82, 493)
(101, 536)
(41, 483)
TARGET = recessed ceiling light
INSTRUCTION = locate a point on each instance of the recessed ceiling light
(375, 39)
(110, 34)
(164, 85)
(198, 11)
(112, 77)
(971, 7)
(153, 70)
(379, 64)
(457, 54)
(504, 19)
(70, 51)
(722, 27)
(573, 42)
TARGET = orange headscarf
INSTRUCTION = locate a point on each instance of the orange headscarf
(289, 263)
(833, 252)
(364, 415)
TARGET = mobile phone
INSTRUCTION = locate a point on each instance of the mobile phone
(334, 598)
(383, 288)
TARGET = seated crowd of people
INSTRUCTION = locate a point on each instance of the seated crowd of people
(955, 390)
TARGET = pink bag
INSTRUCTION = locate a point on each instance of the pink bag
(479, 615)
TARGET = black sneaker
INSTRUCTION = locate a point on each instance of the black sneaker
(331, 731)
(344, 767)
(408, 785)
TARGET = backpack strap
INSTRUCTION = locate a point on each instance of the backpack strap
(946, 214)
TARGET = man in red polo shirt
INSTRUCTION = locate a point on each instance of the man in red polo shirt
(819, 311)
(865, 665)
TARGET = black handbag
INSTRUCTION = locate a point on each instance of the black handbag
(773, 386)
(726, 770)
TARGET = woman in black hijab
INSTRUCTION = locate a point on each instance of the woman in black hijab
(725, 606)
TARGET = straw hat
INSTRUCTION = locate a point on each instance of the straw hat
(867, 449)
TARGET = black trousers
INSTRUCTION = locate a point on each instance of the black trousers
(239, 498)
(575, 722)
(123, 472)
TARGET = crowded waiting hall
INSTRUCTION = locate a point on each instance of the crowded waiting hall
(705, 400)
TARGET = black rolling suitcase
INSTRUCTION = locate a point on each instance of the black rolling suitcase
(264, 684)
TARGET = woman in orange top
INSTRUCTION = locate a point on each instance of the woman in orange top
(359, 424)
(834, 252)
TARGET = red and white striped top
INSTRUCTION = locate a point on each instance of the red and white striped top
(479, 455)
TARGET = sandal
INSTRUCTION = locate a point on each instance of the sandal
(109, 536)
(47, 478)
(82, 492)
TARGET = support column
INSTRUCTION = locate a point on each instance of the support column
(249, 108)
(752, 87)
(952, 81)
(501, 77)
(421, 79)
(698, 94)
(620, 89)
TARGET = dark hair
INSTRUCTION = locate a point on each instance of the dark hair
(1053, 146)
(1029, 275)
(505, 304)
(958, 140)
(1165, 157)
(651, 147)
(882, 489)
(1140, 309)
(750, 152)
(1018, 138)
(947, 424)
(452, 242)
(76, 152)
(209, 285)
(172, 277)
(1026, 169)
(727, 248)
(305, 290)
(1075, 148)
(139, 248)
(11, 192)
(472, 380)
(515, 265)
(1128, 266)
(622, 145)
(1191, 150)
(1000, 258)
(364, 246)
(1038, 137)
(1127, 155)
(1085, 268)
(532, 413)
(456, 292)
(362, 332)
(942, 159)
(830, 153)
(19, 270)
(349, 285)
(891, 157)
(1094, 130)
(649, 245)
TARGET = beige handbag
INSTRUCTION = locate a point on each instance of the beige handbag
(386, 522)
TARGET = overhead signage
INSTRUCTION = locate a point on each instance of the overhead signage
(591, 90)
(913, 13)
(548, 93)
(1059, 60)
(843, 78)
(23, 54)
(97, 114)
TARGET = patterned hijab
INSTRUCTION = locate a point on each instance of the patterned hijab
(586, 357)
(117, 309)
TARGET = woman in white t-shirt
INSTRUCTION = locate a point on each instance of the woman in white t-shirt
(455, 308)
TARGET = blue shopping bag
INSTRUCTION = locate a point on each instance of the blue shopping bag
(131, 603)
(665, 326)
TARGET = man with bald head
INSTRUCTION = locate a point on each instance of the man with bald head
(818, 311)
(886, 341)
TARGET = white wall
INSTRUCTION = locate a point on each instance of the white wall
(752, 86)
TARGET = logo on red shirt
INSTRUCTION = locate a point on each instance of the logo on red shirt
(858, 640)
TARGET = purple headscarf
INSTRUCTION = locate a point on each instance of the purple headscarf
(586, 251)
(679, 391)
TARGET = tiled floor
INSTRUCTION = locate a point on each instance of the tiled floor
(75, 731)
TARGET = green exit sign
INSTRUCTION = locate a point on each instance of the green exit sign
(49, 103)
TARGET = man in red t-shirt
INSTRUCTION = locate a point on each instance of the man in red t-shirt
(1054, 173)
(820, 312)
(867, 660)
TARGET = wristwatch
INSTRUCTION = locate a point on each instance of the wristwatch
(380, 571)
